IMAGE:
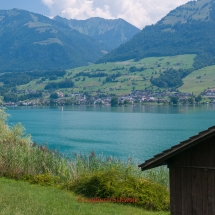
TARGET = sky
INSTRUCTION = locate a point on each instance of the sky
(137, 12)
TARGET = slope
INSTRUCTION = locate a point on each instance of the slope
(199, 80)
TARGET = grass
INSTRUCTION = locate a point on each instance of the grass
(197, 85)
(21, 198)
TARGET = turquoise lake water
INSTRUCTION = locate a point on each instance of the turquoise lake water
(139, 132)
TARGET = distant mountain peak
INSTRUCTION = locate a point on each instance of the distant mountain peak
(109, 32)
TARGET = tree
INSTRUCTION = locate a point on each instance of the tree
(53, 77)
(114, 101)
(126, 102)
(52, 102)
(54, 96)
(174, 100)
(198, 98)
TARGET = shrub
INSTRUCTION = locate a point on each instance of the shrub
(42, 179)
(115, 185)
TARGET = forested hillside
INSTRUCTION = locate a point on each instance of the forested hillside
(188, 29)
(31, 41)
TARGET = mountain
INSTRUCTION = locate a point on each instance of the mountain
(30, 41)
(109, 32)
(189, 29)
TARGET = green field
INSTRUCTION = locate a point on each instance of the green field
(127, 81)
(199, 80)
(20, 198)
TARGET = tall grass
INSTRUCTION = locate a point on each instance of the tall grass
(20, 158)
(86, 164)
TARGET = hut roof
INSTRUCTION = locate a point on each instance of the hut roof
(164, 157)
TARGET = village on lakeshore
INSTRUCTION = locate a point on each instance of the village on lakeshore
(135, 97)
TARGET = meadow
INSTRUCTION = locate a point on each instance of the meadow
(18, 197)
(199, 80)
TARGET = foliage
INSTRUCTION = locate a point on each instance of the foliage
(123, 187)
(30, 96)
(20, 78)
(90, 75)
(198, 98)
(108, 177)
(53, 96)
(10, 97)
(174, 100)
(126, 102)
(170, 78)
(114, 101)
(135, 69)
(112, 77)
(67, 83)
(43, 179)
(53, 78)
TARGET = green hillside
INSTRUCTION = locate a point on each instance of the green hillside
(153, 74)
(117, 77)
(199, 80)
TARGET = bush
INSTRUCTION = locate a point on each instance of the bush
(118, 186)
(42, 179)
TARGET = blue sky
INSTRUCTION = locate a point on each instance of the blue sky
(31, 5)
(138, 12)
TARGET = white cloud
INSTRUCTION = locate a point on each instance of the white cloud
(137, 12)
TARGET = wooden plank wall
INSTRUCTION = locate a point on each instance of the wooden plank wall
(192, 181)
(192, 191)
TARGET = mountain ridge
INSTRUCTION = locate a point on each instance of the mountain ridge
(31, 41)
(109, 32)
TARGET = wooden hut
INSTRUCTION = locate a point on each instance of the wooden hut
(192, 174)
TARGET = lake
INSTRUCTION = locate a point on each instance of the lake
(139, 132)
